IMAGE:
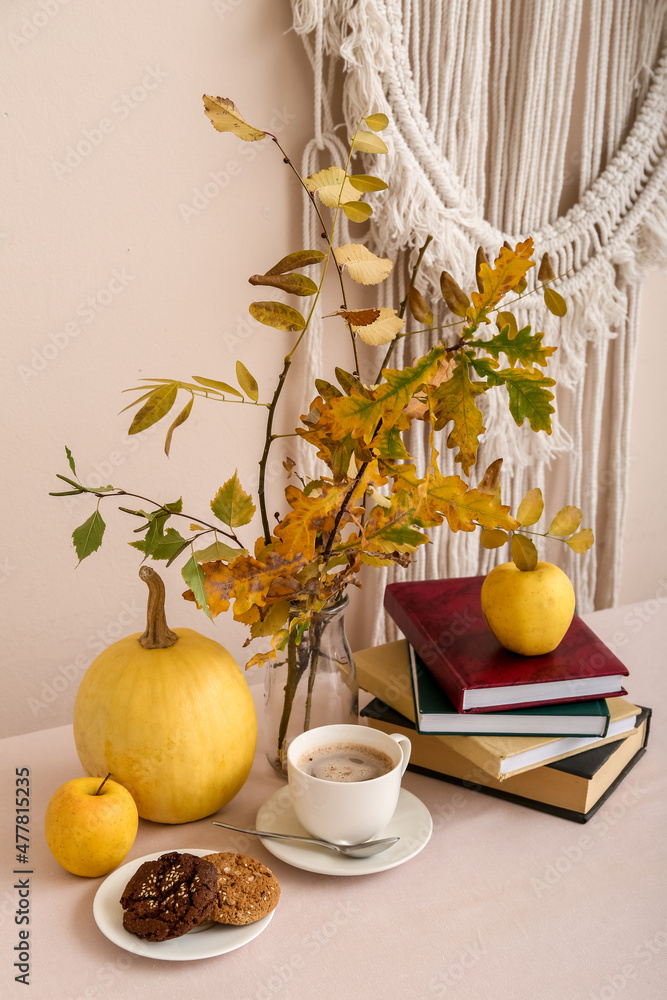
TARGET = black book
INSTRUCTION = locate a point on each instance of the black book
(573, 788)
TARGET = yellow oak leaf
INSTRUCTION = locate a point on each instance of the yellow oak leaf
(496, 280)
(248, 581)
(310, 515)
(465, 508)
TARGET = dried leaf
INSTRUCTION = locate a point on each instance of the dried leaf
(493, 538)
(555, 302)
(369, 142)
(382, 330)
(222, 387)
(419, 307)
(295, 284)
(247, 382)
(302, 258)
(232, 505)
(546, 271)
(531, 508)
(360, 317)
(180, 419)
(362, 265)
(358, 211)
(156, 406)
(582, 541)
(455, 298)
(565, 522)
(277, 315)
(490, 482)
(367, 182)
(332, 186)
(377, 121)
(480, 258)
(226, 117)
(524, 553)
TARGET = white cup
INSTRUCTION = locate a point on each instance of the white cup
(339, 811)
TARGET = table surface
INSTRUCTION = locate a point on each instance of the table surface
(504, 903)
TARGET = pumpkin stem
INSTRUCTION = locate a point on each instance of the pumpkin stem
(158, 635)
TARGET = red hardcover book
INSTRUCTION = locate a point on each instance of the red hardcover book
(443, 621)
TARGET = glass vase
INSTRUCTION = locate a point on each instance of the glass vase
(312, 683)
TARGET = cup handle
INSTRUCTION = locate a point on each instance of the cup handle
(406, 748)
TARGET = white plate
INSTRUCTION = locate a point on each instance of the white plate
(411, 822)
(205, 941)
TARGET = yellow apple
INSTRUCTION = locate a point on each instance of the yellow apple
(528, 611)
(90, 825)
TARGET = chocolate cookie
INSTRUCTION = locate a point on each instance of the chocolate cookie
(247, 889)
(168, 897)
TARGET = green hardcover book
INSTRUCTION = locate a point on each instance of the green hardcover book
(435, 713)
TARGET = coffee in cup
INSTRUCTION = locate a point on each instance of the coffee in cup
(345, 762)
(345, 780)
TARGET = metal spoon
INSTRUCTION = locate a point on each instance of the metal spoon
(364, 850)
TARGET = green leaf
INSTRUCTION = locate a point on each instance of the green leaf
(295, 284)
(247, 381)
(161, 546)
(524, 553)
(223, 387)
(581, 542)
(180, 419)
(175, 507)
(218, 550)
(351, 383)
(277, 315)
(455, 399)
(486, 368)
(525, 347)
(357, 211)
(367, 182)
(529, 397)
(368, 142)
(555, 302)
(70, 459)
(194, 577)
(302, 258)
(377, 121)
(388, 444)
(565, 522)
(232, 505)
(531, 508)
(157, 406)
(87, 537)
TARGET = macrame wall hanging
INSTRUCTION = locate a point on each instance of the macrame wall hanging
(501, 111)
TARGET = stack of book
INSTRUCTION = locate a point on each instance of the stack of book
(553, 732)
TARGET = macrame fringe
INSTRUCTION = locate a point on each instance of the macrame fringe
(479, 95)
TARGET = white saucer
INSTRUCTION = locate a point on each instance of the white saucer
(411, 822)
(205, 941)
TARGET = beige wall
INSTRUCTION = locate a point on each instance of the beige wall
(129, 232)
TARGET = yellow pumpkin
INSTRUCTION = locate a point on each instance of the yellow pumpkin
(170, 715)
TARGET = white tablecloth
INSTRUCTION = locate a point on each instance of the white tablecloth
(505, 903)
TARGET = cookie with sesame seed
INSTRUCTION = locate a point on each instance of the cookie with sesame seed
(167, 897)
(247, 889)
